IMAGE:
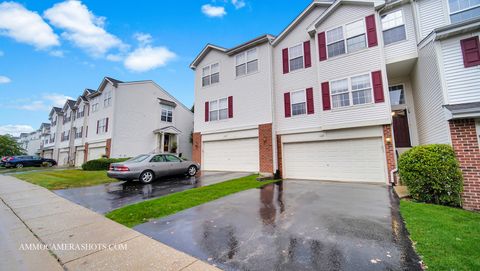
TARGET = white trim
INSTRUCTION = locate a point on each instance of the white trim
(303, 57)
(344, 33)
(304, 101)
(350, 96)
(403, 24)
(450, 13)
(218, 109)
(209, 66)
(245, 53)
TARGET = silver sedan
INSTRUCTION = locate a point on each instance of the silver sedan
(148, 167)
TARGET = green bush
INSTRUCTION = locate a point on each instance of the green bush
(432, 174)
(101, 164)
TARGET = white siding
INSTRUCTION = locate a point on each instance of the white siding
(407, 48)
(299, 79)
(463, 84)
(252, 103)
(428, 97)
(347, 65)
(103, 112)
(432, 14)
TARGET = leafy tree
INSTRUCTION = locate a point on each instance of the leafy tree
(9, 146)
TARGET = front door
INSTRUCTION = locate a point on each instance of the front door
(401, 130)
(166, 143)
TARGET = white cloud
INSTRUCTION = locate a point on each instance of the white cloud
(33, 106)
(148, 58)
(4, 80)
(114, 57)
(55, 99)
(82, 27)
(15, 130)
(213, 11)
(238, 3)
(143, 38)
(25, 26)
(56, 53)
(46, 103)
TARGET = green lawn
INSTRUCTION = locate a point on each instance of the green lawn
(142, 212)
(446, 238)
(14, 170)
(60, 179)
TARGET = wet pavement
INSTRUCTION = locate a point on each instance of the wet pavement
(107, 197)
(294, 225)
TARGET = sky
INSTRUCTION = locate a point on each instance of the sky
(53, 50)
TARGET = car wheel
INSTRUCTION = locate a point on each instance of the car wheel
(49, 164)
(19, 165)
(192, 170)
(147, 176)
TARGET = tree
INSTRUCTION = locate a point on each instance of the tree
(9, 146)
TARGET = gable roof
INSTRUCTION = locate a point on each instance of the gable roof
(69, 103)
(311, 28)
(300, 17)
(209, 47)
(57, 110)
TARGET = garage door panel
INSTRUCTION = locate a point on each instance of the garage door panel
(231, 155)
(63, 159)
(341, 160)
(95, 153)
(79, 158)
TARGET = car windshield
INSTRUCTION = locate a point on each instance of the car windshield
(137, 159)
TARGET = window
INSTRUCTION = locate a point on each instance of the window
(295, 55)
(102, 126)
(95, 105)
(299, 104)
(167, 113)
(218, 109)
(461, 10)
(156, 159)
(335, 42)
(79, 132)
(356, 38)
(246, 62)
(397, 95)
(393, 27)
(210, 75)
(172, 158)
(107, 99)
(351, 91)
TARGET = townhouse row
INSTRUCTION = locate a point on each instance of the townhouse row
(117, 120)
(344, 89)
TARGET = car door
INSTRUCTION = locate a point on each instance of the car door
(159, 165)
(27, 161)
(176, 164)
(36, 161)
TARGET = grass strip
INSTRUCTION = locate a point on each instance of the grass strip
(70, 178)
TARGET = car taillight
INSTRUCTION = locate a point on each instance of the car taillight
(121, 168)
(10, 159)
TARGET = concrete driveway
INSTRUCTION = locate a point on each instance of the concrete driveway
(294, 225)
(107, 197)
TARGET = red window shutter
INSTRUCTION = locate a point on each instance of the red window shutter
(207, 112)
(98, 124)
(106, 125)
(326, 96)
(310, 107)
(471, 51)
(285, 60)
(371, 31)
(230, 107)
(378, 87)
(322, 46)
(307, 54)
(287, 105)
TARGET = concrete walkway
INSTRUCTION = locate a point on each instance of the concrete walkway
(77, 238)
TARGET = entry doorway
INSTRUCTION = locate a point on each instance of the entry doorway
(401, 130)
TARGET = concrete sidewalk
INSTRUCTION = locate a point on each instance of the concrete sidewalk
(30, 214)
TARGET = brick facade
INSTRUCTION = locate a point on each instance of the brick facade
(465, 144)
(389, 149)
(279, 155)
(108, 148)
(265, 142)
(197, 148)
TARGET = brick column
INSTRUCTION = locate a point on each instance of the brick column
(466, 147)
(265, 142)
(279, 155)
(197, 148)
(108, 148)
(389, 150)
(85, 153)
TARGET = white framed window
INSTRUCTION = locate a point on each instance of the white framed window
(102, 126)
(218, 109)
(246, 62)
(167, 113)
(295, 57)
(335, 42)
(356, 38)
(107, 99)
(210, 74)
(397, 95)
(393, 27)
(461, 10)
(298, 102)
(355, 90)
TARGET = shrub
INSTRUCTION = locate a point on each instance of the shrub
(432, 174)
(101, 164)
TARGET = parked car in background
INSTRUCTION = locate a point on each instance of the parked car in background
(3, 160)
(28, 161)
(148, 167)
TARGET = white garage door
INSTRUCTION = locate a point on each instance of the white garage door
(361, 160)
(48, 154)
(95, 153)
(79, 158)
(63, 159)
(231, 155)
